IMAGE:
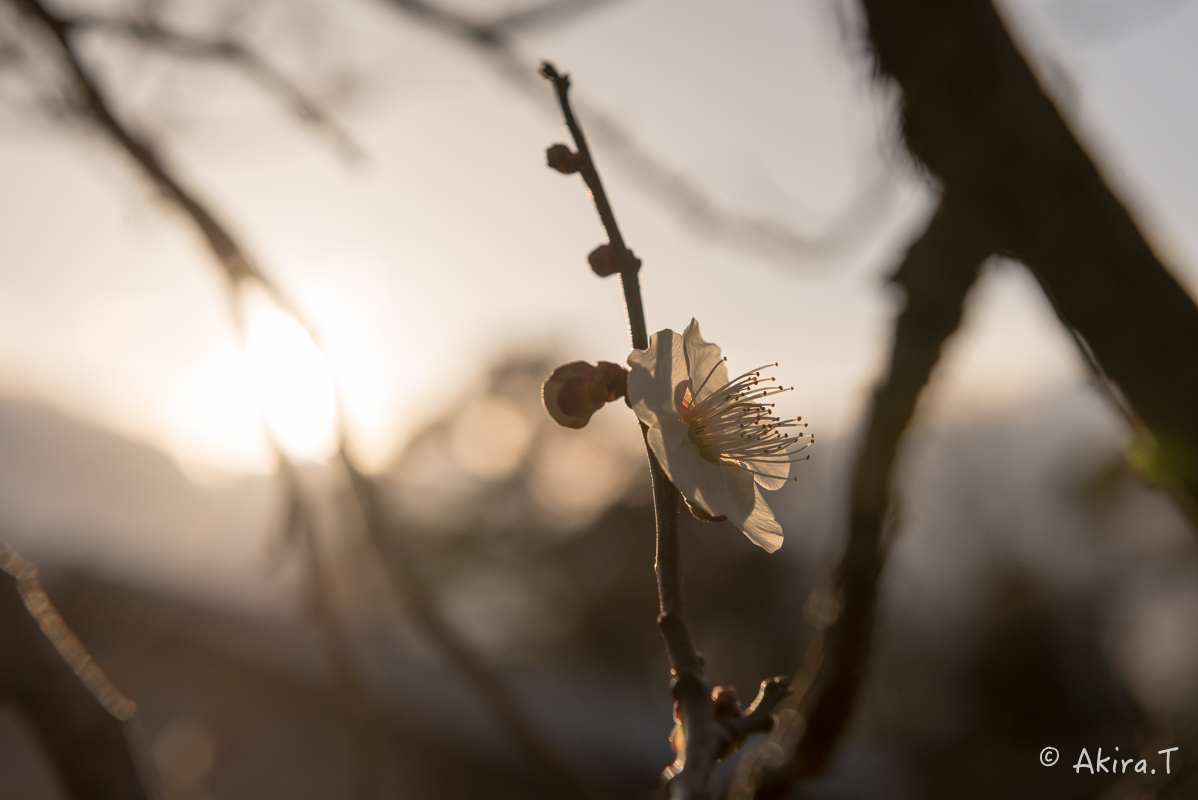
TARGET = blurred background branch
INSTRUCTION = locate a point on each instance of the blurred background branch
(676, 191)
(151, 33)
(75, 710)
(240, 268)
(1014, 181)
(935, 277)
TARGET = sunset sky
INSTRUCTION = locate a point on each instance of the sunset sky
(452, 244)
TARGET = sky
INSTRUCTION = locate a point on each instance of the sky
(452, 244)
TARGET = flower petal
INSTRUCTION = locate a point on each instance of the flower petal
(721, 491)
(776, 473)
(753, 515)
(703, 483)
(705, 363)
(654, 373)
(667, 438)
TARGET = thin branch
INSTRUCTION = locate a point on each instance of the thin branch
(232, 258)
(691, 205)
(496, 33)
(692, 692)
(710, 728)
(548, 13)
(768, 754)
(626, 263)
(75, 709)
(148, 32)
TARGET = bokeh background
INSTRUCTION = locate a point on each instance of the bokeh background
(1039, 592)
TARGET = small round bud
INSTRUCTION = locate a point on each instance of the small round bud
(575, 391)
(563, 159)
(601, 261)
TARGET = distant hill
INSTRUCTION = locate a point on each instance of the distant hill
(74, 495)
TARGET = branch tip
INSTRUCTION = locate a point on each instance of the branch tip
(549, 72)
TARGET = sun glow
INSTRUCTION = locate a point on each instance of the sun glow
(292, 383)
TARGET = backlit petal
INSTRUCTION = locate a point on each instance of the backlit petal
(776, 473)
(717, 440)
(655, 372)
(753, 516)
(704, 362)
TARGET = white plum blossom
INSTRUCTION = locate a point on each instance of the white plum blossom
(717, 439)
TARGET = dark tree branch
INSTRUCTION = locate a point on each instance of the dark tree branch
(935, 276)
(231, 52)
(495, 34)
(1165, 480)
(710, 728)
(232, 258)
(694, 208)
(993, 132)
(239, 268)
(549, 13)
(75, 709)
(1016, 182)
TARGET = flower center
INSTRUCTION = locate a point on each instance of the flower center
(731, 426)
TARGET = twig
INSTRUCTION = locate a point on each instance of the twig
(626, 263)
(670, 188)
(769, 754)
(707, 733)
(231, 257)
(75, 709)
(550, 12)
(936, 275)
(691, 690)
(149, 32)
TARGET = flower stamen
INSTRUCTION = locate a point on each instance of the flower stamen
(731, 427)
(713, 369)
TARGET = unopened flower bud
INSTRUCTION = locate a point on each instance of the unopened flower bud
(601, 261)
(563, 159)
(575, 391)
